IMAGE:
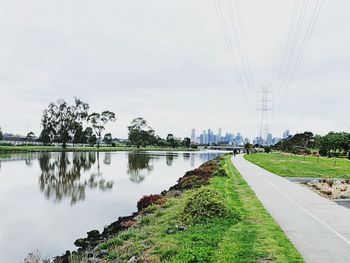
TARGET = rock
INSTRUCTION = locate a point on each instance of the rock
(94, 260)
(182, 228)
(102, 254)
(62, 259)
(132, 260)
(81, 242)
(329, 193)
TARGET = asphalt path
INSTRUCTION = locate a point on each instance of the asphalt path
(318, 227)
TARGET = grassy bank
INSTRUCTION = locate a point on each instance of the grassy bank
(180, 230)
(24, 149)
(300, 166)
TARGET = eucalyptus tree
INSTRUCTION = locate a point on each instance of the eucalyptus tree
(30, 136)
(61, 121)
(99, 121)
(140, 133)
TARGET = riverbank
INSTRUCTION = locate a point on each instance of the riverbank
(210, 215)
(26, 149)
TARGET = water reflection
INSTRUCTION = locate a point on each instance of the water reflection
(139, 164)
(61, 176)
(67, 176)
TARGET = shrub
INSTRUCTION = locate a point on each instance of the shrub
(173, 193)
(148, 200)
(203, 205)
(192, 182)
(267, 149)
(220, 172)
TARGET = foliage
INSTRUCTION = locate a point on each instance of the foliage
(248, 147)
(220, 172)
(186, 142)
(297, 143)
(99, 121)
(60, 120)
(140, 134)
(1, 135)
(148, 200)
(192, 182)
(267, 149)
(205, 204)
(334, 142)
(107, 139)
(30, 136)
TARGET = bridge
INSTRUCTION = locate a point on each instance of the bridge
(227, 148)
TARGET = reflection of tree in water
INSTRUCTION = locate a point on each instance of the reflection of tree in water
(170, 158)
(137, 164)
(186, 156)
(61, 176)
(107, 159)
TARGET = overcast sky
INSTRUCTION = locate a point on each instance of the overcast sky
(167, 62)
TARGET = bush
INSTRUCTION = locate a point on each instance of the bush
(203, 205)
(192, 182)
(148, 200)
(220, 172)
(267, 149)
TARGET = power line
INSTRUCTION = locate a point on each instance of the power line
(233, 40)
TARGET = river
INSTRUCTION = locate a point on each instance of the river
(48, 200)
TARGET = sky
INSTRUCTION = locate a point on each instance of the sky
(167, 61)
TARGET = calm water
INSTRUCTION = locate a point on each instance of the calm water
(48, 200)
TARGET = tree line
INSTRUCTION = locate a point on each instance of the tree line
(72, 123)
(141, 134)
(64, 123)
(331, 145)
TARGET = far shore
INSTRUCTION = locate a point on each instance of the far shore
(36, 148)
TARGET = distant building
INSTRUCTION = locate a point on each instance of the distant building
(193, 135)
(269, 139)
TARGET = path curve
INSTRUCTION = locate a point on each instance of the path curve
(318, 227)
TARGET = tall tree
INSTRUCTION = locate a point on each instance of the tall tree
(60, 120)
(140, 133)
(187, 142)
(1, 135)
(30, 136)
(107, 139)
(99, 121)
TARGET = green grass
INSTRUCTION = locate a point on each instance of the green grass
(254, 237)
(298, 166)
(20, 149)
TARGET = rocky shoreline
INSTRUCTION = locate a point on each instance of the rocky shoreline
(333, 189)
(90, 245)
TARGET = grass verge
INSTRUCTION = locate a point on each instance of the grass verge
(165, 233)
(23, 149)
(300, 166)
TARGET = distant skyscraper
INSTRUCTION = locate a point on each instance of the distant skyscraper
(193, 135)
(269, 139)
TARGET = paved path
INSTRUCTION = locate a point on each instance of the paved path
(318, 227)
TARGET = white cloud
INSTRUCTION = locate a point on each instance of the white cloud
(166, 61)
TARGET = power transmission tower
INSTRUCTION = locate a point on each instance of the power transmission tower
(266, 106)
